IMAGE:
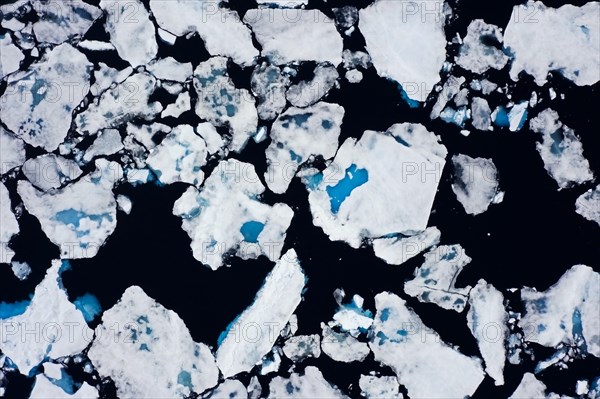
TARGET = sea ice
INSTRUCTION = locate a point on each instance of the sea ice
(107, 142)
(530, 387)
(181, 104)
(343, 347)
(373, 387)
(10, 56)
(480, 114)
(299, 347)
(475, 183)
(50, 171)
(21, 270)
(269, 85)
(45, 388)
(482, 48)
(310, 91)
(231, 389)
(588, 205)
(60, 21)
(397, 249)
(310, 384)
(170, 69)
(12, 151)
(9, 226)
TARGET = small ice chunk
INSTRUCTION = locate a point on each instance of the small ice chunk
(95, 45)
(10, 56)
(299, 347)
(144, 134)
(582, 387)
(487, 87)
(487, 321)
(354, 76)
(373, 387)
(480, 114)
(353, 59)
(36, 105)
(60, 21)
(475, 182)
(21, 270)
(214, 141)
(170, 69)
(226, 216)
(269, 86)
(310, 384)
(567, 312)
(284, 3)
(131, 30)
(346, 16)
(352, 318)
(416, 60)
(51, 310)
(254, 388)
(426, 366)
(434, 280)
(588, 205)
(232, 389)
(179, 157)
(309, 92)
(44, 388)
(517, 116)
(298, 135)
(456, 116)
(12, 151)
(397, 249)
(450, 88)
(482, 48)
(9, 226)
(124, 203)
(151, 352)
(273, 306)
(343, 347)
(530, 387)
(181, 105)
(560, 150)
(307, 35)
(107, 142)
(564, 39)
(222, 104)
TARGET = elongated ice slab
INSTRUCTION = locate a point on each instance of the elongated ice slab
(475, 183)
(309, 384)
(9, 226)
(588, 205)
(10, 56)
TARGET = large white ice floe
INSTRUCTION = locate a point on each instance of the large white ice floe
(170, 69)
(232, 389)
(227, 217)
(252, 334)
(10, 56)
(222, 104)
(487, 321)
(309, 384)
(298, 135)
(372, 387)
(49, 328)
(64, 20)
(529, 387)
(9, 226)
(478, 53)
(565, 39)
(567, 312)
(45, 388)
(475, 183)
(220, 28)
(397, 249)
(12, 151)
(50, 171)
(434, 280)
(588, 205)
(299, 347)
(295, 35)
(342, 347)
(308, 92)
(269, 85)
(407, 43)
(382, 184)
(38, 103)
(81, 216)
(130, 29)
(151, 353)
(425, 365)
(560, 150)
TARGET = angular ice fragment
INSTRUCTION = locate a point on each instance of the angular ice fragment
(310, 384)
(343, 347)
(130, 29)
(213, 217)
(480, 114)
(475, 182)
(309, 92)
(457, 117)
(426, 366)
(434, 280)
(10, 56)
(530, 387)
(269, 86)
(567, 312)
(182, 104)
(299, 35)
(353, 59)
(560, 150)
(124, 203)
(482, 48)
(12, 151)
(170, 69)
(21, 270)
(108, 142)
(564, 39)
(64, 20)
(416, 60)
(346, 16)
(298, 135)
(151, 353)
(9, 226)
(65, 331)
(50, 171)
(517, 116)
(450, 89)
(372, 387)
(105, 76)
(272, 308)
(397, 249)
(299, 347)
(487, 321)
(588, 205)
(382, 184)
(254, 388)
(38, 103)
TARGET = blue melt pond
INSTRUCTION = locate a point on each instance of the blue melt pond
(501, 119)
(72, 216)
(411, 103)
(185, 378)
(89, 306)
(8, 310)
(250, 230)
(354, 178)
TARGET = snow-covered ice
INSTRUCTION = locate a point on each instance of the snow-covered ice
(9, 226)
(308, 384)
(397, 249)
(232, 389)
(107, 142)
(342, 347)
(482, 48)
(21, 270)
(12, 151)
(530, 387)
(373, 387)
(475, 183)
(170, 69)
(64, 20)
(45, 388)
(181, 104)
(299, 347)
(50, 171)
(269, 85)
(10, 56)
(588, 205)
(481, 114)
(308, 92)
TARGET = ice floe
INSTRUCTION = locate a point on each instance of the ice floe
(170, 69)
(481, 114)
(373, 387)
(309, 384)
(397, 249)
(107, 142)
(475, 183)
(21, 270)
(45, 388)
(482, 48)
(9, 226)
(588, 205)
(308, 92)
(269, 85)
(299, 347)
(64, 20)
(50, 171)
(12, 151)
(343, 347)
(10, 56)
(232, 389)
(530, 387)
(181, 104)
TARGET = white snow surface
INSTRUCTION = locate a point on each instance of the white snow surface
(476, 56)
(399, 249)
(588, 205)
(309, 384)
(475, 182)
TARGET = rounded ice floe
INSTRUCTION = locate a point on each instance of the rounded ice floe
(482, 48)
(407, 43)
(588, 205)
(354, 76)
(566, 39)
(50, 171)
(475, 183)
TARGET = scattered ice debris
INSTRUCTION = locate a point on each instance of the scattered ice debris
(131, 31)
(265, 318)
(342, 347)
(475, 183)
(560, 150)
(12, 151)
(232, 389)
(151, 352)
(227, 217)
(61, 21)
(49, 171)
(402, 165)
(487, 321)
(425, 365)
(38, 103)
(398, 248)
(566, 39)
(124, 203)
(567, 312)
(434, 280)
(373, 387)
(482, 48)
(300, 35)
(416, 60)
(222, 104)
(309, 92)
(107, 142)
(352, 318)
(298, 135)
(81, 216)
(9, 226)
(10, 56)
(269, 85)
(21, 270)
(170, 69)
(310, 384)
(181, 104)
(450, 89)
(588, 205)
(530, 387)
(221, 29)
(299, 347)
(284, 3)
(45, 387)
(121, 103)
(480, 114)
(54, 326)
